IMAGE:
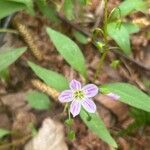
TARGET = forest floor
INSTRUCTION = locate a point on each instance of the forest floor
(16, 114)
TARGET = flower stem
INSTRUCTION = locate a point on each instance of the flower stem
(106, 48)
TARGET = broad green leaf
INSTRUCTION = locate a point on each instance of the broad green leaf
(9, 57)
(38, 100)
(129, 6)
(3, 132)
(130, 95)
(96, 125)
(80, 37)
(27, 3)
(120, 34)
(47, 10)
(131, 28)
(69, 9)
(51, 78)
(7, 8)
(69, 50)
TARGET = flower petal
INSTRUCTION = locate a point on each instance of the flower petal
(75, 108)
(113, 96)
(65, 96)
(89, 105)
(90, 90)
(75, 85)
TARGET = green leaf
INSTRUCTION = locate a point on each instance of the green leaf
(38, 100)
(51, 78)
(85, 2)
(4, 74)
(27, 3)
(7, 8)
(96, 125)
(120, 34)
(115, 63)
(9, 57)
(131, 28)
(3, 133)
(47, 10)
(69, 9)
(129, 6)
(80, 37)
(71, 135)
(130, 95)
(69, 50)
(47, 75)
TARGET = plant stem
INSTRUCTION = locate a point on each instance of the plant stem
(106, 48)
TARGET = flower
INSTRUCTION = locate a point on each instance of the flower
(113, 96)
(79, 96)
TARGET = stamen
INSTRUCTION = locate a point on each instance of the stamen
(78, 94)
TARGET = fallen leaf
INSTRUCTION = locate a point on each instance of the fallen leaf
(49, 137)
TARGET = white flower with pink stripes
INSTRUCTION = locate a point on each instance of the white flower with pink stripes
(79, 97)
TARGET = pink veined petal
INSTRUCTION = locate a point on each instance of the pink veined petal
(90, 90)
(75, 85)
(89, 105)
(113, 96)
(75, 107)
(65, 96)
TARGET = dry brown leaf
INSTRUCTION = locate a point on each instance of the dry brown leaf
(49, 137)
(22, 122)
(118, 108)
(15, 101)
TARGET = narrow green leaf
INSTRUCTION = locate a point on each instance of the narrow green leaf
(9, 57)
(80, 37)
(130, 95)
(131, 28)
(47, 10)
(69, 9)
(27, 3)
(38, 100)
(96, 125)
(51, 78)
(69, 50)
(129, 6)
(3, 132)
(7, 8)
(120, 34)
(85, 2)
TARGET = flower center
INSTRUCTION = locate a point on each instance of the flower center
(78, 94)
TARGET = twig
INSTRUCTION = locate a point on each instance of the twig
(9, 31)
(131, 60)
(5, 25)
(73, 25)
(99, 13)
